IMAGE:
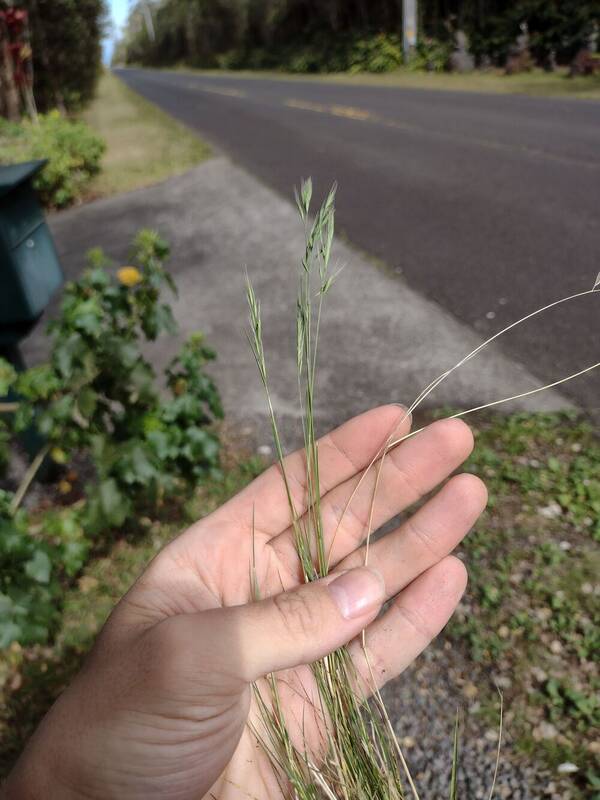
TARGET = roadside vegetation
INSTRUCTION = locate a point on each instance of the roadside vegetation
(121, 142)
(57, 51)
(540, 42)
(119, 440)
(73, 150)
(143, 144)
(536, 83)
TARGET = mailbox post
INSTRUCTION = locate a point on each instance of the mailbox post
(30, 272)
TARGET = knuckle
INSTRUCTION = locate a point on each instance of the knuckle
(423, 536)
(348, 520)
(297, 613)
(165, 646)
(416, 622)
(410, 487)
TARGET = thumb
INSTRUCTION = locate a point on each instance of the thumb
(303, 625)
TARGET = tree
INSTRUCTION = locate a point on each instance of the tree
(66, 39)
(209, 33)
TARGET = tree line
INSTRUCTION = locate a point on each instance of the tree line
(55, 46)
(309, 33)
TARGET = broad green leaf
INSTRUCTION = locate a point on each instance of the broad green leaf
(9, 632)
(87, 400)
(113, 504)
(7, 376)
(39, 567)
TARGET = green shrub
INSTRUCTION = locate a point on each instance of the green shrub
(73, 150)
(431, 55)
(99, 397)
(28, 586)
(380, 53)
(370, 52)
(35, 558)
(7, 378)
(66, 40)
(99, 393)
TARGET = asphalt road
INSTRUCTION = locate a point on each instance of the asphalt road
(489, 205)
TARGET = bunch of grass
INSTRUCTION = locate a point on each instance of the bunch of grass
(358, 756)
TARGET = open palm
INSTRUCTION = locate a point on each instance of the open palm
(162, 706)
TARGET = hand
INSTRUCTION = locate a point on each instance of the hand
(160, 709)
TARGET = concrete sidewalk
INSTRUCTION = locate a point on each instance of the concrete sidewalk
(380, 340)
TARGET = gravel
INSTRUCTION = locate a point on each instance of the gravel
(422, 704)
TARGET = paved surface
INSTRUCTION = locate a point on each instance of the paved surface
(488, 205)
(422, 704)
(381, 341)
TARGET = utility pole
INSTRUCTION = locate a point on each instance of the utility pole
(409, 27)
(148, 20)
(146, 11)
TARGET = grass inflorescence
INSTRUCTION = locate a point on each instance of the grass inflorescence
(360, 757)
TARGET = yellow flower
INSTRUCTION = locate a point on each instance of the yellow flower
(58, 455)
(129, 276)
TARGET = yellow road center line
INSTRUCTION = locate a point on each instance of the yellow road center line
(361, 115)
(226, 92)
(352, 113)
(305, 105)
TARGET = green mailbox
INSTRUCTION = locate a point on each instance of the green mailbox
(30, 272)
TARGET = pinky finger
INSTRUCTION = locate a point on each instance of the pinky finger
(414, 619)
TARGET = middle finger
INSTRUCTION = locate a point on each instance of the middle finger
(409, 472)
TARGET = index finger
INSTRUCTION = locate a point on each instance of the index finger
(343, 453)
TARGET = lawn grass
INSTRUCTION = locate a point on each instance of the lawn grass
(144, 145)
(536, 83)
(529, 621)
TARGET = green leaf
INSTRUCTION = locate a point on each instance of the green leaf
(74, 555)
(6, 605)
(39, 567)
(87, 401)
(138, 466)
(108, 505)
(7, 376)
(9, 632)
(160, 442)
(66, 353)
(88, 317)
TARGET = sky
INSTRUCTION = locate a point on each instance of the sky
(118, 10)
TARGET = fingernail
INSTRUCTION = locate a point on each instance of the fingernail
(357, 592)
